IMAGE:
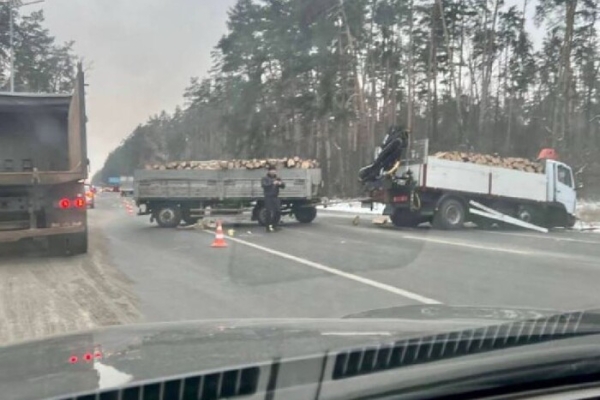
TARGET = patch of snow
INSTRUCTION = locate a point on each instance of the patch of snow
(353, 207)
(588, 214)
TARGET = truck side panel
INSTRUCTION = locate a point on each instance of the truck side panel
(235, 184)
(518, 184)
(77, 131)
(452, 175)
(480, 179)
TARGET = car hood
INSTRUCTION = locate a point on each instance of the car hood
(119, 355)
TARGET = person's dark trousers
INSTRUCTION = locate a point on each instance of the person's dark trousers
(273, 207)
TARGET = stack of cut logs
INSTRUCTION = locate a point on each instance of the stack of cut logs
(519, 164)
(279, 163)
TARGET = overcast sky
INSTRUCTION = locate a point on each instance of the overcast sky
(140, 56)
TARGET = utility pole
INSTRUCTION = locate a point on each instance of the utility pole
(11, 6)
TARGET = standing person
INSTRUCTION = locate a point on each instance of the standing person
(271, 185)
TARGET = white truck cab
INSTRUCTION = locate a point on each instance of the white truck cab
(561, 185)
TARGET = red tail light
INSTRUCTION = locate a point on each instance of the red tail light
(64, 203)
(79, 202)
(400, 199)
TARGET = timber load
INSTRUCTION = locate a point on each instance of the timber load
(515, 163)
(215, 165)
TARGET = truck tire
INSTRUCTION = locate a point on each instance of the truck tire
(168, 216)
(261, 216)
(305, 215)
(68, 245)
(403, 218)
(529, 214)
(451, 214)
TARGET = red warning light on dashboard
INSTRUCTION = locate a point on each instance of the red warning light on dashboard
(73, 359)
(88, 357)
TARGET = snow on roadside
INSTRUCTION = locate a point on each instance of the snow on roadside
(588, 214)
(353, 207)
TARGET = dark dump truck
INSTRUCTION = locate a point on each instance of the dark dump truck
(43, 165)
(171, 197)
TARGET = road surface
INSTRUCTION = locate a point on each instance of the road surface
(137, 272)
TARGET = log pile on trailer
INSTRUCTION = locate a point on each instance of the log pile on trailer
(215, 165)
(516, 163)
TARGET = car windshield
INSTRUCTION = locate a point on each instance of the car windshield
(170, 161)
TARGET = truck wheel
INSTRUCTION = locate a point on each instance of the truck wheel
(168, 217)
(450, 215)
(261, 217)
(305, 215)
(527, 214)
(403, 218)
(68, 245)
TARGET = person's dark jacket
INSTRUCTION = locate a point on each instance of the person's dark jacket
(269, 187)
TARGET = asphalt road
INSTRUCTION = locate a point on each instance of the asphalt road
(137, 272)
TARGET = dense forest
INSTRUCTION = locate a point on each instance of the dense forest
(41, 64)
(325, 78)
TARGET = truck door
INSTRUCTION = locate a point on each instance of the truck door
(563, 185)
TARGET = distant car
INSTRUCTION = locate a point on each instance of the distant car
(90, 196)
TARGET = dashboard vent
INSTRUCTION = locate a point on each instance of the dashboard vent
(456, 344)
(219, 385)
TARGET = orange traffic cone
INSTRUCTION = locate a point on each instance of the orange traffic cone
(219, 237)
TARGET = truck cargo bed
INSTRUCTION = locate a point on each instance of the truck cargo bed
(222, 184)
(481, 179)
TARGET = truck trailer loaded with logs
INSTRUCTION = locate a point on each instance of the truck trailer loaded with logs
(190, 190)
(441, 188)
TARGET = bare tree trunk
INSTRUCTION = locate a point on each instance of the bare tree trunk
(562, 96)
(487, 68)
(410, 100)
(327, 144)
(568, 84)
(508, 144)
(457, 89)
(357, 85)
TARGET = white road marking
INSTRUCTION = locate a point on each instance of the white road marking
(469, 245)
(545, 237)
(333, 271)
(401, 235)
